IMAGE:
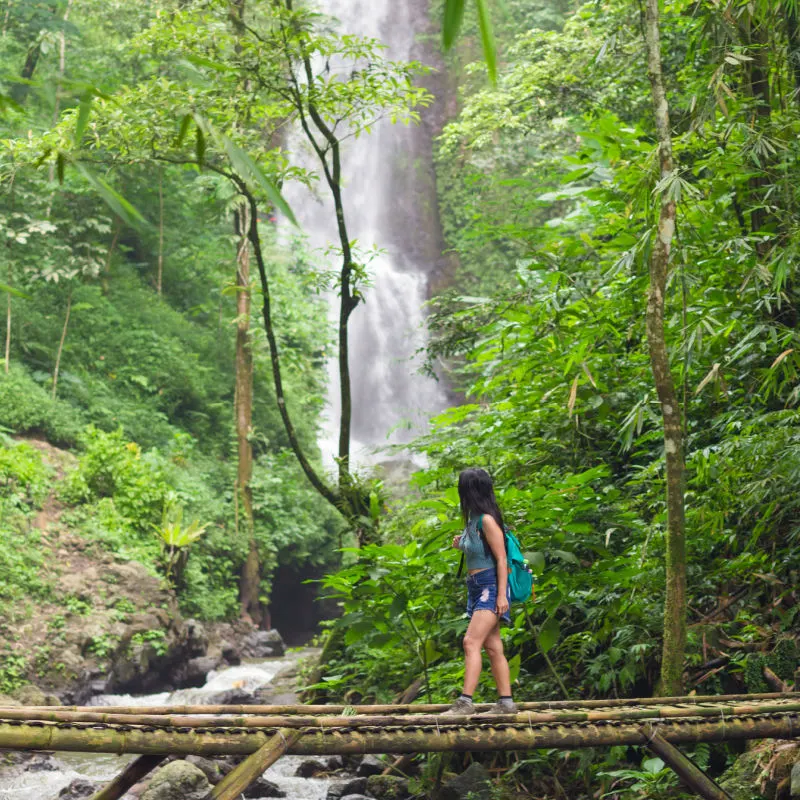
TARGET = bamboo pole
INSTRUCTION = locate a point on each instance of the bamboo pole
(129, 777)
(317, 742)
(422, 708)
(691, 775)
(206, 721)
(253, 766)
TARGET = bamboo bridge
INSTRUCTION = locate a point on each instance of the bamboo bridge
(265, 733)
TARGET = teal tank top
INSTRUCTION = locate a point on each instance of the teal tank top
(471, 544)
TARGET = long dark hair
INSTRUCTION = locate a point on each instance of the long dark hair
(476, 492)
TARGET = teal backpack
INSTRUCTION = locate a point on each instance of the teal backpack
(520, 578)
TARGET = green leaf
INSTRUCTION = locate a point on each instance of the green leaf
(536, 561)
(11, 290)
(453, 17)
(548, 635)
(199, 61)
(84, 108)
(114, 200)
(514, 665)
(248, 170)
(200, 145)
(487, 38)
(184, 129)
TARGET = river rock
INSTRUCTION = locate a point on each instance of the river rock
(370, 765)
(263, 644)
(356, 797)
(263, 788)
(179, 780)
(388, 787)
(192, 674)
(32, 695)
(474, 783)
(231, 697)
(8, 702)
(311, 768)
(230, 653)
(211, 769)
(339, 790)
(78, 789)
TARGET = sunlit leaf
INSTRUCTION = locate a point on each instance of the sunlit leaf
(113, 199)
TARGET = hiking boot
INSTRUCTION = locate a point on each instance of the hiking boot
(501, 707)
(461, 708)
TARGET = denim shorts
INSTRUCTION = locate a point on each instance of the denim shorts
(482, 593)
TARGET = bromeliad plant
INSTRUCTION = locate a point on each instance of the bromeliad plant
(176, 539)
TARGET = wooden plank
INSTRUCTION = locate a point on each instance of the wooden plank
(691, 775)
(130, 776)
(241, 778)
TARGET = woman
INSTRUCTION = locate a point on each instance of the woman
(487, 590)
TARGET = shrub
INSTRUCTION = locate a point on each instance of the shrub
(25, 407)
(23, 476)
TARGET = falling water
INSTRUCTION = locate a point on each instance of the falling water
(389, 200)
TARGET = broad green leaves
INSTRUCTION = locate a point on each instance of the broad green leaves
(451, 25)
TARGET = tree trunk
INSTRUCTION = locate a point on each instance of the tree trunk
(793, 36)
(674, 646)
(160, 272)
(249, 584)
(8, 323)
(106, 280)
(61, 344)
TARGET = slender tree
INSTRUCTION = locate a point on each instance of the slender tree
(674, 645)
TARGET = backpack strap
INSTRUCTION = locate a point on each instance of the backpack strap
(460, 566)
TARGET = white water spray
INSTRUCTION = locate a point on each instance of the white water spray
(391, 401)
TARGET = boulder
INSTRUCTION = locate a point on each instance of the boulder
(474, 783)
(335, 763)
(230, 653)
(192, 674)
(31, 695)
(78, 789)
(370, 765)
(179, 780)
(231, 697)
(339, 790)
(795, 785)
(8, 702)
(311, 768)
(356, 797)
(211, 769)
(388, 787)
(263, 788)
(263, 644)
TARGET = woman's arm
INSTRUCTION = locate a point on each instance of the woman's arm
(495, 538)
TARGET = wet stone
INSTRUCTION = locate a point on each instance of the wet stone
(78, 789)
(474, 783)
(388, 787)
(339, 790)
(311, 768)
(370, 765)
(178, 781)
(795, 786)
(263, 788)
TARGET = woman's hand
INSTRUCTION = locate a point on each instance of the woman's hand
(456, 540)
(502, 605)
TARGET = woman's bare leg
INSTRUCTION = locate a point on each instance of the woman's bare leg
(479, 628)
(493, 645)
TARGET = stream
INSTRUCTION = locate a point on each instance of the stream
(45, 784)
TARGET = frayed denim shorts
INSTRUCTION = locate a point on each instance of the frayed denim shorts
(482, 593)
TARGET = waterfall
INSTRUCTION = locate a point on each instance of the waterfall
(390, 204)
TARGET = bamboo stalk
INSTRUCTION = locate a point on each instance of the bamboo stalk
(421, 708)
(129, 777)
(253, 766)
(48, 736)
(691, 775)
(419, 720)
